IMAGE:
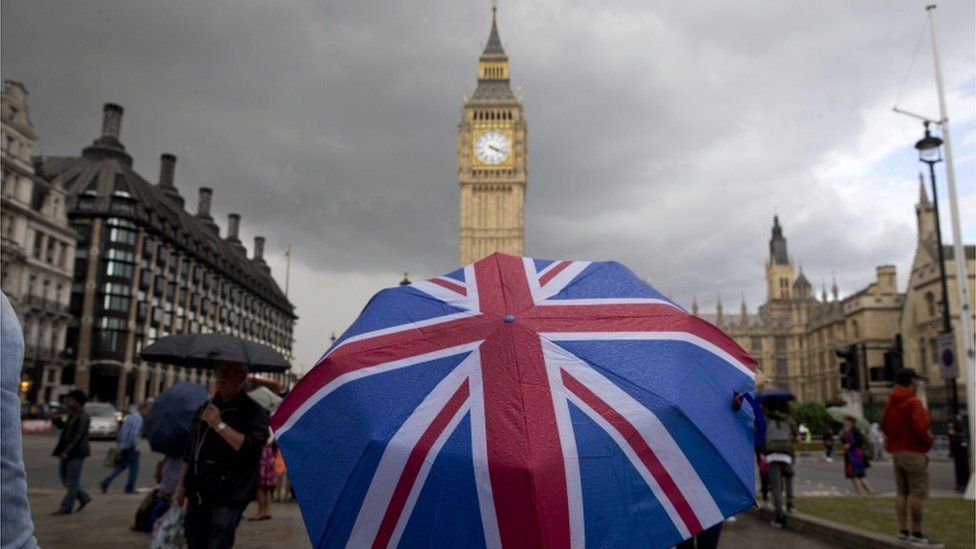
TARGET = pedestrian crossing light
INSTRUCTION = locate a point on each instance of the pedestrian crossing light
(849, 370)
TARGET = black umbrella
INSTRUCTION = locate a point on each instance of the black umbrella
(209, 350)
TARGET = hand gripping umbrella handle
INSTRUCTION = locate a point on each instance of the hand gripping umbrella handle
(760, 424)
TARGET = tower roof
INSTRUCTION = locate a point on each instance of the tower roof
(923, 197)
(777, 245)
(494, 45)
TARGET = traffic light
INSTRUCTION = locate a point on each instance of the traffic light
(849, 370)
(893, 360)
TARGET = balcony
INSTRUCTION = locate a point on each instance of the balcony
(45, 354)
(39, 303)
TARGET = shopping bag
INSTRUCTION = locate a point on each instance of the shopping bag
(112, 457)
(168, 530)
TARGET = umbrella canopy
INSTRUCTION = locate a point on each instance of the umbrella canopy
(521, 402)
(168, 425)
(208, 350)
(838, 413)
(774, 393)
(265, 397)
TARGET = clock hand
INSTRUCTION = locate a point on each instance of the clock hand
(496, 149)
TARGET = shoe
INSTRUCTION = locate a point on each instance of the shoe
(919, 538)
(83, 504)
(778, 522)
(104, 486)
(903, 535)
(789, 508)
(62, 512)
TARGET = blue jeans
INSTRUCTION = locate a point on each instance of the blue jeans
(16, 527)
(207, 527)
(130, 460)
(70, 471)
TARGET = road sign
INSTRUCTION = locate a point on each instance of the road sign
(948, 366)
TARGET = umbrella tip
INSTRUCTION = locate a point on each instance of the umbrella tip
(509, 318)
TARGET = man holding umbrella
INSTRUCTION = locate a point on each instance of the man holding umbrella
(220, 469)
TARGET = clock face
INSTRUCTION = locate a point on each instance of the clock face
(492, 148)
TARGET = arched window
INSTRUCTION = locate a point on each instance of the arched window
(934, 349)
(921, 352)
(855, 330)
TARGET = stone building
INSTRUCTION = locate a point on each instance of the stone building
(921, 318)
(795, 334)
(37, 252)
(146, 268)
(491, 159)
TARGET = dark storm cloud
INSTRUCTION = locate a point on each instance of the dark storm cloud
(664, 136)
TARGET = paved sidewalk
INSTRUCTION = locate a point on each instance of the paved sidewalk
(104, 524)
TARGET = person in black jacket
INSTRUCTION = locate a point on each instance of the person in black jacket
(220, 466)
(72, 449)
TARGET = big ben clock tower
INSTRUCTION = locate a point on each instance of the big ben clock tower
(491, 153)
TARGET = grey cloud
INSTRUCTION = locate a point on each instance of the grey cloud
(664, 136)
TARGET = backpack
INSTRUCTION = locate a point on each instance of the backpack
(150, 510)
(779, 439)
(867, 446)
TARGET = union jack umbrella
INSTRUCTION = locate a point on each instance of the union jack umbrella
(521, 402)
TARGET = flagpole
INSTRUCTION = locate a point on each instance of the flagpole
(967, 357)
(287, 269)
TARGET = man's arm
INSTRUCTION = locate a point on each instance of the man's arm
(921, 426)
(211, 415)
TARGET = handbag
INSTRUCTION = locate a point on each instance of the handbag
(168, 530)
(112, 458)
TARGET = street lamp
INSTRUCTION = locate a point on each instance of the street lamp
(930, 152)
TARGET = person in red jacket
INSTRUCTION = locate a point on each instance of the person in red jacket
(907, 429)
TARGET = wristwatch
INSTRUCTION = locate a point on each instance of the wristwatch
(221, 426)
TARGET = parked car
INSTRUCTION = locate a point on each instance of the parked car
(105, 420)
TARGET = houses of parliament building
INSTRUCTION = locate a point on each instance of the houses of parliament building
(795, 335)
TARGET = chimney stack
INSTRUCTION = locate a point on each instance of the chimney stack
(233, 226)
(203, 205)
(112, 120)
(259, 248)
(167, 167)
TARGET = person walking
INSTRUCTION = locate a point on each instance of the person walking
(877, 440)
(128, 443)
(828, 442)
(781, 433)
(907, 429)
(267, 478)
(220, 466)
(72, 449)
(855, 456)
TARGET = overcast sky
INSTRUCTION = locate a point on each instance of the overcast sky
(663, 135)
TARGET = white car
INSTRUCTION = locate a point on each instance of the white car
(104, 420)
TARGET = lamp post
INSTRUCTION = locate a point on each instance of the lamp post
(930, 152)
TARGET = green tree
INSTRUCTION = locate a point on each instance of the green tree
(812, 414)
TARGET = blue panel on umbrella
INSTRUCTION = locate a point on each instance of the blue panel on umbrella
(335, 447)
(456, 275)
(541, 264)
(447, 512)
(684, 376)
(621, 510)
(608, 280)
(396, 307)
